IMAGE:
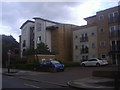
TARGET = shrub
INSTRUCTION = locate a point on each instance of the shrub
(71, 64)
(26, 66)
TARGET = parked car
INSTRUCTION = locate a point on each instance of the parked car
(52, 65)
(94, 62)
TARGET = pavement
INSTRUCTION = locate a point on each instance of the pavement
(93, 83)
(16, 72)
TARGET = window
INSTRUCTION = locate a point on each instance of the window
(84, 58)
(93, 45)
(118, 45)
(114, 31)
(102, 43)
(103, 56)
(38, 27)
(92, 33)
(100, 17)
(24, 43)
(31, 28)
(114, 17)
(84, 49)
(39, 39)
(76, 36)
(84, 37)
(101, 30)
(76, 47)
(113, 45)
(24, 31)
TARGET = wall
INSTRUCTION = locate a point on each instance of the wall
(40, 57)
(45, 34)
(62, 42)
(25, 35)
(77, 56)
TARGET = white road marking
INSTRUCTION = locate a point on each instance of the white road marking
(32, 85)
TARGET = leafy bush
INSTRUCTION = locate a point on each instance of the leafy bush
(26, 66)
(71, 64)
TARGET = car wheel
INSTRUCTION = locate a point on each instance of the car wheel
(97, 64)
(83, 65)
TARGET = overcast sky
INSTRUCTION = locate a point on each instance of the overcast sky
(14, 14)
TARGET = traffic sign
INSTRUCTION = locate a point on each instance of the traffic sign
(9, 52)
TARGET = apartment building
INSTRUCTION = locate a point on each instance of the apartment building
(57, 36)
(107, 23)
(85, 43)
(34, 32)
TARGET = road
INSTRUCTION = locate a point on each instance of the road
(44, 80)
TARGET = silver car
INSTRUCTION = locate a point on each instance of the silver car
(94, 62)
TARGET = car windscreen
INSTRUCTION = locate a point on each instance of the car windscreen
(54, 62)
(100, 59)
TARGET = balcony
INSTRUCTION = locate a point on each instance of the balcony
(115, 34)
(115, 48)
(83, 39)
(114, 20)
(84, 51)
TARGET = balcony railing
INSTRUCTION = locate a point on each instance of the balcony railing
(84, 50)
(115, 48)
(115, 33)
(83, 39)
(114, 20)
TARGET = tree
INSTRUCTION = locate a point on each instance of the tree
(28, 51)
(42, 46)
(8, 43)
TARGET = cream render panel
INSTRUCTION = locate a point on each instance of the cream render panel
(43, 33)
(25, 35)
(39, 31)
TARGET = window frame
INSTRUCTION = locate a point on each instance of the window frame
(101, 30)
(102, 43)
(100, 17)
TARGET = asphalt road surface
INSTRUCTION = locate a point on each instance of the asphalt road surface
(47, 80)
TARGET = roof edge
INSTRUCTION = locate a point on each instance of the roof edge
(46, 20)
(26, 23)
(89, 17)
(84, 26)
